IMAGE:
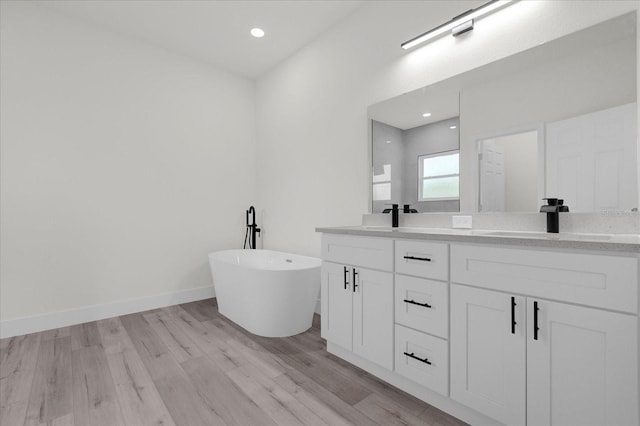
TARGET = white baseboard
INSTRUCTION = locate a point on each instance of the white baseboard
(25, 325)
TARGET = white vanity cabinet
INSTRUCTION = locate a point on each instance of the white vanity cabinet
(488, 356)
(422, 313)
(521, 358)
(583, 367)
(357, 300)
(488, 332)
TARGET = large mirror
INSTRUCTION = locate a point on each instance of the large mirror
(558, 120)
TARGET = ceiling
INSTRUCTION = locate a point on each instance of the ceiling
(217, 31)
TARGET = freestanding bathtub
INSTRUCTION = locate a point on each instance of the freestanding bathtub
(266, 292)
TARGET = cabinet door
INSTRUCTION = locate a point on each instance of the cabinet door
(373, 316)
(336, 304)
(583, 368)
(488, 360)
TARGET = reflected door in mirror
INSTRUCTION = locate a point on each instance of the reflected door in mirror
(509, 172)
(591, 160)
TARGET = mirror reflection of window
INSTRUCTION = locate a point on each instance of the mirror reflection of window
(386, 182)
(382, 184)
(400, 150)
(439, 176)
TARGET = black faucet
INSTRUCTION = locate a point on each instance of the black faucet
(252, 228)
(394, 210)
(407, 209)
(553, 208)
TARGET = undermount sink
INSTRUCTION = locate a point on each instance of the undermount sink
(411, 229)
(491, 233)
(547, 235)
(424, 230)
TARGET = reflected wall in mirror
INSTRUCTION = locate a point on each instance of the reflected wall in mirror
(558, 120)
(417, 166)
(413, 136)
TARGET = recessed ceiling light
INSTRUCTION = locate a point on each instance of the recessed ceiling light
(426, 114)
(453, 127)
(257, 32)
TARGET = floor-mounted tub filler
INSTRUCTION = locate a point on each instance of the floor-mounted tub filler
(268, 293)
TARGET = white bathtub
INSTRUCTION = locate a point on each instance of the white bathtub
(266, 292)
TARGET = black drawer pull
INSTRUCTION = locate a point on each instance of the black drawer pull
(411, 355)
(424, 259)
(413, 302)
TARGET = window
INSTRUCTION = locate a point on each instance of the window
(382, 184)
(439, 176)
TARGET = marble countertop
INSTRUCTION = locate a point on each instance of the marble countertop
(600, 242)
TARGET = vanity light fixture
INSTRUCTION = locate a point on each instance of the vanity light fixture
(257, 32)
(458, 25)
(426, 114)
(462, 28)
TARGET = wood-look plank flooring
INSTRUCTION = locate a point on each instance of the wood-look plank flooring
(188, 365)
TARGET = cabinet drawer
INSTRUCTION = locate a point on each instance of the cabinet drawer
(432, 367)
(422, 259)
(411, 296)
(589, 279)
(374, 253)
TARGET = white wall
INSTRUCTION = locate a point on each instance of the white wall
(123, 165)
(312, 128)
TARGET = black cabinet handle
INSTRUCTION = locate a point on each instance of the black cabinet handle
(424, 259)
(535, 320)
(346, 273)
(413, 302)
(412, 355)
(355, 274)
(513, 315)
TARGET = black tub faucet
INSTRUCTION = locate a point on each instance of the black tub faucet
(252, 228)
(553, 208)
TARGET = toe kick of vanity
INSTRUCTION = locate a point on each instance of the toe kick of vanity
(488, 333)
